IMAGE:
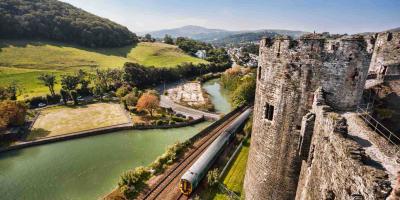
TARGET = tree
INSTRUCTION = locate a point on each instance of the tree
(10, 91)
(122, 91)
(149, 102)
(245, 92)
(69, 82)
(64, 95)
(168, 39)
(84, 81)
(74, 96)
(131, 99)
(48, 80)
(148, 38)
(12, 113)
(56, 20)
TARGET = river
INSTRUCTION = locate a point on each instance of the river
(90, 167)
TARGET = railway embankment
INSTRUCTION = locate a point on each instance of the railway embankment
(182, 159)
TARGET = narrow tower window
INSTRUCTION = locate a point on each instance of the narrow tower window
(268, 112)
(259, 73)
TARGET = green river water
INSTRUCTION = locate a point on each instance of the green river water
(90, 167)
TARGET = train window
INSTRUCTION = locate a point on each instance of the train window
(268, 112)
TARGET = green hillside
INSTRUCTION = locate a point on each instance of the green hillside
(23, 61)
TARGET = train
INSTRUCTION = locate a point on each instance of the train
(192, 177)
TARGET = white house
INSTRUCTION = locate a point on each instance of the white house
(201, 54)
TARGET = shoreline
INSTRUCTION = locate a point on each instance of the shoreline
(94, 132)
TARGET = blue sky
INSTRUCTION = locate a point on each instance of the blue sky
(335, 16)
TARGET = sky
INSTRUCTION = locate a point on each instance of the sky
(334, 16)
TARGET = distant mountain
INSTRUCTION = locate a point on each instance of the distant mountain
(59, 21)
(395, 29)
(255, 36)
(194, 32)
(220, 36)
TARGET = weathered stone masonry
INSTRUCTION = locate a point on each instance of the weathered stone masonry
(386, 56)
(337, 166)
(289, 72)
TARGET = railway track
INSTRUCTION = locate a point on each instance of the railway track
(171, 179)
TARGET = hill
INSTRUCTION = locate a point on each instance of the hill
(193, 32)
(59, 21)
(255, 36)
(23, 61)
(395, 29)
(220, 36)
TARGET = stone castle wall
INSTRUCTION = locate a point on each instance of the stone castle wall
(336, 165)
(289, 72)
(386, 56)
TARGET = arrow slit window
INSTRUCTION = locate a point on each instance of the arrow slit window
(268, 112)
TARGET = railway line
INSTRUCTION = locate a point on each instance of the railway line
(167, 187)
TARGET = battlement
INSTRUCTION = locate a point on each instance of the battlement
(312, 44)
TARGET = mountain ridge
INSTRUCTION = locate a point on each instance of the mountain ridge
(215, 35)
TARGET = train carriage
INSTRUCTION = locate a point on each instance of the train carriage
(190, 180)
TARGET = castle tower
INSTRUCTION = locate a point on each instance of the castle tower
(289, 72)
(386, 57)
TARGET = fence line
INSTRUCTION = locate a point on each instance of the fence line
(378, 127)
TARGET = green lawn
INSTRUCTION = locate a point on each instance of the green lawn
(161, 55)
(27, 79)
(23, 60)
(233, 179)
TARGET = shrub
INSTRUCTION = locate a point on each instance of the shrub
(131, 182)
(53, 99)
(35, 101)
(178, 119)
(159, 122)
(212, 177)
(74, 96)
(123, 91)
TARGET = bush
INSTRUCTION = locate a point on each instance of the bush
(74, 96)
(123, 91)
(178, 119)
(53, 99)
(244, 94)
(131, 182)
(213, 177)
(35, 101)
(12, 113)
(159, 122)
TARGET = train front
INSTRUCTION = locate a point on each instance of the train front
(185, 186)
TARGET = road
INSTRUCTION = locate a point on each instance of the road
(168, 103)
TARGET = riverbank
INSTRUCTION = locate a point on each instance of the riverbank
(89, 167)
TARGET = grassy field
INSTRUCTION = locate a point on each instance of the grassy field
(22, 61)
(159, 54)
(27, 79)
(233, 179)
(63, 120)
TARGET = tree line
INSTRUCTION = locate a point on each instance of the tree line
(241, 82)
(55, 20)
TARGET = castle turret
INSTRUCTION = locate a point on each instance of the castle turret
(288, 74)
